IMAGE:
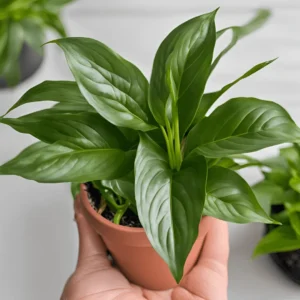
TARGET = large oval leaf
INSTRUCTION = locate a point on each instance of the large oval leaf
(169, 204)
(65, 92)
(181, 69)
(55, 163)
(231, 199)
(280, 239)
(76, 130)
(112, 85)
(242, 125)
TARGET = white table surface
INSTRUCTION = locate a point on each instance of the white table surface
(38, 239)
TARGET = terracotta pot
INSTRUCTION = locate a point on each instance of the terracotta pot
(132, 251)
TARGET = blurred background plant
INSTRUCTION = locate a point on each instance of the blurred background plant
(23, 24)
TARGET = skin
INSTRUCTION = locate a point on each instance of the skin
(95, 278)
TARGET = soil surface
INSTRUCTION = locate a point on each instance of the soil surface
(129, 219)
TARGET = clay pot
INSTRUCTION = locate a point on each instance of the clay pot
(29, 62)
(132, 251)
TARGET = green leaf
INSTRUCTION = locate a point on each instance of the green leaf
(55, 163)
(281, 239)
(231, 199)
(53, 21)
(295, 221)
(83, 130)
(292, 155)
(279, 177)
(123, 187)
(66, 92)
(75, 189)
(295, 184)
(169, 203)
(112, 85)
(209, 99)
(3, 38)
(268, 193)
(242, 125)
(33, 34)
(181, 69)
(56, 5)
(238, 32)
(9, 60)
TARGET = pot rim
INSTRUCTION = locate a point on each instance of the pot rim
(91, 211)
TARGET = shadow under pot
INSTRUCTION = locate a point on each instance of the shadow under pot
(29, 62)
(130, 248)
(288, 262)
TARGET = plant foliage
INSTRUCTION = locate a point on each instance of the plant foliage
(150, 146)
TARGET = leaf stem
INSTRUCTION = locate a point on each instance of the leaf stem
(120, 212)
(178, 154)
(169, 147)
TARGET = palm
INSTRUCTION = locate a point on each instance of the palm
(96, 279)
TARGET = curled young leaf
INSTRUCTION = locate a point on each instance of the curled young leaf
(169, 204)
(242, 125)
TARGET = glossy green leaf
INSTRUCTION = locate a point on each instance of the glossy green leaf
(280, 239)
(279, 177)
(209, 99)
(53, 21)
(295, 222)
(3, 38)
(123, 187)
(231, 199)
(55, 163)
(83, 130)
(181, 69)
(238, 32)
(292, 155)
(75, 189)
(242, 125)
(169, 204)
(295, 184)
(268, 193)
(66, 92)
(112, 85)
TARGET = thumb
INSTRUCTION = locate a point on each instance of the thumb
(91, 245)
(209, 278)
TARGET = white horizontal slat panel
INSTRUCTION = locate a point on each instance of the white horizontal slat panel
(171, 6)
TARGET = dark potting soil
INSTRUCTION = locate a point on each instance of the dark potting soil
(289, 262)
(129, 219)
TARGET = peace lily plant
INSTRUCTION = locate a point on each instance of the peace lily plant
(25, 21)
(152, 148)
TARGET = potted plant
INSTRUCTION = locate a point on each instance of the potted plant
(279, 193)
(148, 153)
(22, 29)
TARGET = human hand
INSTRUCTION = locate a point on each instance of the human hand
(96, 279)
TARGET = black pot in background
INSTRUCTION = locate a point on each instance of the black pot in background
(29, 62)
(288, 262)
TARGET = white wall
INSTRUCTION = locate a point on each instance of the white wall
(38, 241)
